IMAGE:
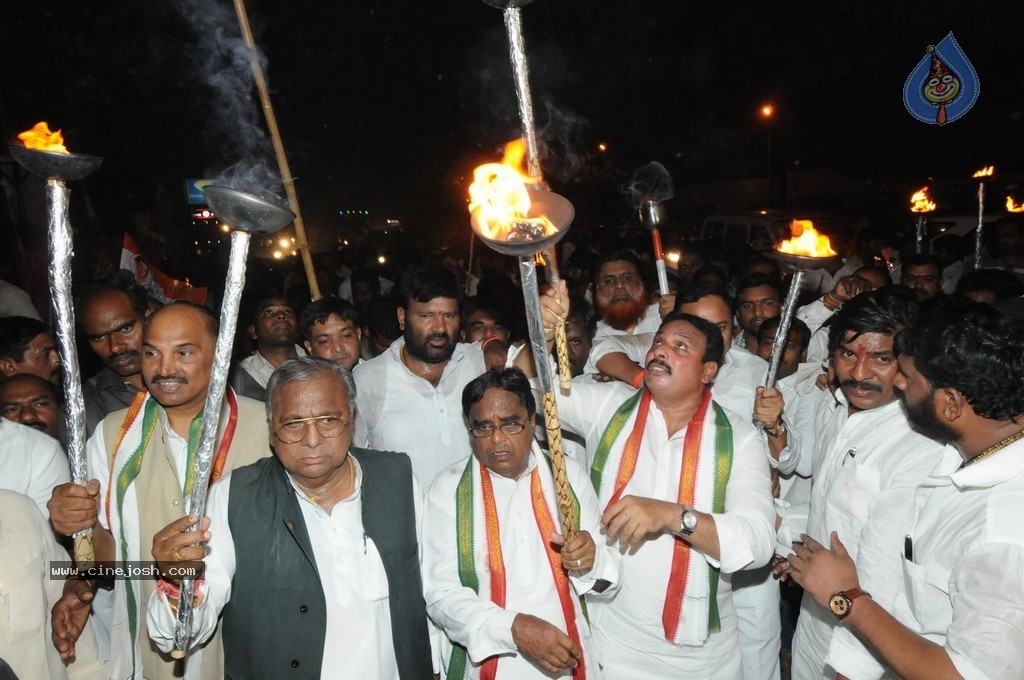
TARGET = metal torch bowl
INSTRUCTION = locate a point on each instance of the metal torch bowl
(556, 208)
(653, 214)
(50, 164)
(247, 212)
(803, 262)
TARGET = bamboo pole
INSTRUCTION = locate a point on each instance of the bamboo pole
(282, 159)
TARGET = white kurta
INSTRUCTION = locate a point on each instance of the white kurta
(399, 411)
(27, 593)
(628, 629)
(865, 467)
(472, 620)
(963, 589)
(31, 463)
(352, 576)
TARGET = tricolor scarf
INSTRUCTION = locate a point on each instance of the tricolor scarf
(477, 534)
(126, 463)
(691, 608)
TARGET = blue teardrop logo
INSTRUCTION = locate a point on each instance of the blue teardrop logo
(943, 86)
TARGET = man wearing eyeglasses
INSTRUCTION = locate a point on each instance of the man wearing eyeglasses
(498, 579)
(311, 555)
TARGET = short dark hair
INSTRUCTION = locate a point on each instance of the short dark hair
(318, 311)
(425, 282)
(622, 255)
(713, 270)
(582, 311)
(714, 344)
(922, 260)
(509, 379)
(381, 318)
(999, 282)
(472, 305)
(973, 348)
(701, 289)
(136, 296)
(16, 334)
(878, 270)
(803, 333)
(757, 280)
(886, 310)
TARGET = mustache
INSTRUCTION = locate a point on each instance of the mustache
(161, 378)
(858, 385)
(658, 362)
(125, 354)
(438, 336)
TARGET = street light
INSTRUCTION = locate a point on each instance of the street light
(767, 113)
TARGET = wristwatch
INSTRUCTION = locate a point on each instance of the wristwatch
(687, 521)
(841, 603)
(779, 431)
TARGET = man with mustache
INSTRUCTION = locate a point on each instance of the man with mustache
(111, 317)
(409, 397)
(139, 462)
(274, 330)
(958, 606)
(621, 297)
(26, 346)
(31, 401)
(866, 460)
(688, 530)
(758, 298)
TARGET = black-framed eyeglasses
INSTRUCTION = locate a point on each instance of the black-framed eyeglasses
(294, 431)
(487, 429)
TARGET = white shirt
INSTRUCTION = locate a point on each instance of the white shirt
(648, 323)
(472, 620)
(865, 467)
(399, 411)
(31, 463)
(631, 622)
(963, 589)
(257, 366)
(352, 576)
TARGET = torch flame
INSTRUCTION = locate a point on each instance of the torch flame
(1013, 207)
(984, 172)
(921, 202)
(41, 139)
(806, 241)
(498, 200)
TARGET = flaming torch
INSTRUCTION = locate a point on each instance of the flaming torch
(1013, 207)
(921, 203)
(246, 214)
(980, 175)
(43, 153)
(805, 251)
(521, 222)
(651, 186)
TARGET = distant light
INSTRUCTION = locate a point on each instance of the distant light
(672, 256)
(295, 252)
(225, 228)
(602, 147)
(767, 111)
(764, 212)
(278, 255)
(285, 243)
(381, 259)
(345, 242)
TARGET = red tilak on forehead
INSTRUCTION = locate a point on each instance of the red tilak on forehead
(861, 349)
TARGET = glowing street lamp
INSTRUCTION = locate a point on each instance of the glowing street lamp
(767, 113)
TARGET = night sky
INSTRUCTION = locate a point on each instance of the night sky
(387, 106)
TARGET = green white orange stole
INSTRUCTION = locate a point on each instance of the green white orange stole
(126, 463)
(477, 533)
(690, 612)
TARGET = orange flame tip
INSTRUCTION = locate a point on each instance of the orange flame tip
(984, 172)
(806, 241)
(921, 202)
(499, 202)
(41, 139)
(1013, 207)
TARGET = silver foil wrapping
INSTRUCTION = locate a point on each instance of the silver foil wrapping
(61, 252)
(919, 236)
(195, 502)
(521, 75)
(782, 335)
(981, 225)
(535, 324)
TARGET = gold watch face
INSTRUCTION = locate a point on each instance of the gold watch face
(839, 604)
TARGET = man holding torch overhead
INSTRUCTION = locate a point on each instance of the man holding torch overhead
(497, 578)
(139, 462)
(684, 485)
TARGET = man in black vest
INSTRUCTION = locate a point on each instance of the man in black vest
(313, 554)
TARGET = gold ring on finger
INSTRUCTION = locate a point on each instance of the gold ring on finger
(177, 555)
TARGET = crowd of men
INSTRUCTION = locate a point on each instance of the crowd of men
(384, 502)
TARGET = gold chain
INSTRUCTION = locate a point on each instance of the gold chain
(992, 449)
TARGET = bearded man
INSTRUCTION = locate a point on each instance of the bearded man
(621, 297)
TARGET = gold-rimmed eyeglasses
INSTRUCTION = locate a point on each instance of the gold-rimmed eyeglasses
(510, 428)
(294, 431)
